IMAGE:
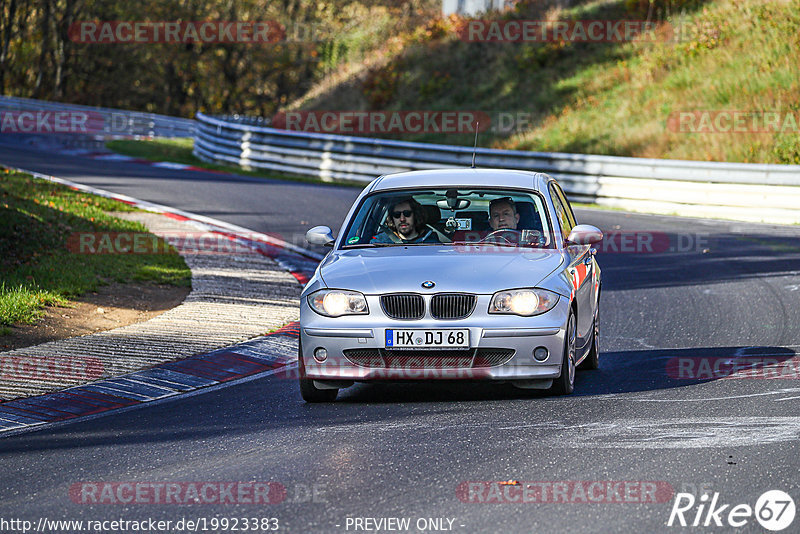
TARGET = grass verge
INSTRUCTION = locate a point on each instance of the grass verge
(180, 151)
(615, 98)
(36, 267)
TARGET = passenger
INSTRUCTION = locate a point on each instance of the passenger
(405, 223)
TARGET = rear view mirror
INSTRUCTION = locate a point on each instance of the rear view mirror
(453, 203)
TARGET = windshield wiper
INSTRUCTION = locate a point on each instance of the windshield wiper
(482, 244)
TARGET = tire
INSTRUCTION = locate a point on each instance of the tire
(565, 384)
(592, 360)
(308, 390)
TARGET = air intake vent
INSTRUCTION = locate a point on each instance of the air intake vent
(452, 305)
(403, 306)
(428, 359)
(492, 357)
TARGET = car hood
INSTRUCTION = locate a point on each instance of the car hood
(460, 269)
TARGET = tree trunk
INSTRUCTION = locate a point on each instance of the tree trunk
(6, 31)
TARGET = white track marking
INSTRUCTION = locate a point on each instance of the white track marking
(728, 397)
(647, 433)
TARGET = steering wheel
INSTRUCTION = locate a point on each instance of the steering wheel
(512, 233)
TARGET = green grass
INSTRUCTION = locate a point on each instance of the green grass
(22, 305)
(36, 266)
(180, 151)
(603, 98)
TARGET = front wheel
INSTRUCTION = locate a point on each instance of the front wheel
(308, 390)
(565, 384)
(592, 360)
(312, 393)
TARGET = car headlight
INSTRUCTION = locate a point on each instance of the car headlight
(525, 302)
(337, 302)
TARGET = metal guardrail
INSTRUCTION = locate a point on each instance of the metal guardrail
(742, 191)
(104, 121)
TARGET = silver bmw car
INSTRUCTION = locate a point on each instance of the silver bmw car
(470, 274)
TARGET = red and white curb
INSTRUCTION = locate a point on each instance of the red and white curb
(255, 358)
(106, 156)
(267, 355)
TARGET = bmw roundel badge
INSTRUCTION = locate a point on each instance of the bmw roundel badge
(427, 284)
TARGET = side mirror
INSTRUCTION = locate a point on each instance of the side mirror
(320, 235)
(585, 234)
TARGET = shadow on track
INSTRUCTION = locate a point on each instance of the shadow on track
(620, 372)
(243, 412)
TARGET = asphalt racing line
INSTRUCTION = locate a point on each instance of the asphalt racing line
(250, 360)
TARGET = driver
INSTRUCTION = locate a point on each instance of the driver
(405, 223)
(503, 214)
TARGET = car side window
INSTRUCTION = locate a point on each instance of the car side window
(565, 201)
(563, 212)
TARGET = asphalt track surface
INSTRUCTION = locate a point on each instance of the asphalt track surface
(404, 450)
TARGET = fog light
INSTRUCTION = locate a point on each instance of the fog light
(320, 354)
(540, 354)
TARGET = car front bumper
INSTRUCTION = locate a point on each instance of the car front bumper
(364, 335)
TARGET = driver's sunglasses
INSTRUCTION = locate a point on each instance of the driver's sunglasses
(404, 213)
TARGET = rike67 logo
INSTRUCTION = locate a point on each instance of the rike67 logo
(774, 510)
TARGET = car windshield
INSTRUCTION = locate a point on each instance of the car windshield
(496, 217)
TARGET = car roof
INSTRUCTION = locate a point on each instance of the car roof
(463, 178)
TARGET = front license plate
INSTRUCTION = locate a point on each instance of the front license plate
(421, 339)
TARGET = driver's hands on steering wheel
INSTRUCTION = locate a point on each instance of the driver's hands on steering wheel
(511, 237)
